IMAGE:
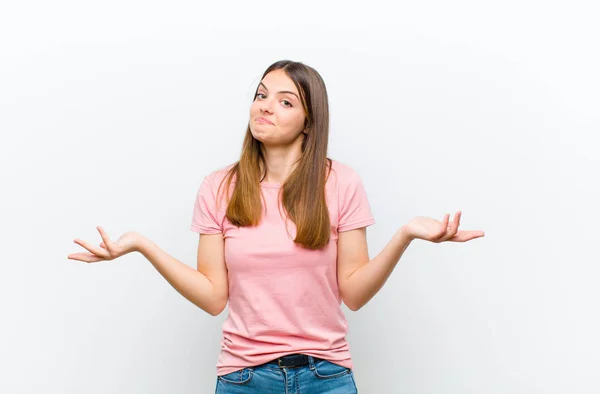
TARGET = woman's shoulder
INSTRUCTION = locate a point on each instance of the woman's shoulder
(342, 172)
(220, 173)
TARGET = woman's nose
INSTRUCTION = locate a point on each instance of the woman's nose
(265, 106)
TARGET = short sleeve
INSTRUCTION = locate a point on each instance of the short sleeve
(354, 208)
(205, 217)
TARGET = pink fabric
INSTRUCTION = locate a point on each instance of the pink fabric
(283, 299)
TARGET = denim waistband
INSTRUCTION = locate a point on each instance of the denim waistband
(292, 360)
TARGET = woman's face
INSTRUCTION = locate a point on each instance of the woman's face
(276, 115)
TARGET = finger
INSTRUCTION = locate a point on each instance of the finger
(105, 238)
(443, 229)
(444, 225)
(97, 251)
(452, 228)
(446, 220)
(454, 225)
(464, 236)
(85, 257)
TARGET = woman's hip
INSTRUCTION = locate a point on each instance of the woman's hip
(291, 374)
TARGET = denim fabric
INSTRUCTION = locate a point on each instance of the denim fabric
(321, 377)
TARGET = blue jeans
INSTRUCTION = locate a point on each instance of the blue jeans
(321, 377)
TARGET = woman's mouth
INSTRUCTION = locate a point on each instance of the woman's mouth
(263, 120)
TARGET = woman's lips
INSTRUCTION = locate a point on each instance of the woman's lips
(263, 120)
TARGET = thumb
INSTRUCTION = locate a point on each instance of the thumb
(102, 245)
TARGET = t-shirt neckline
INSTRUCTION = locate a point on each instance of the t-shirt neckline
(270, 185)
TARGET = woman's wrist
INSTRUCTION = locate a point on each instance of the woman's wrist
(404, 232)
(140, 243)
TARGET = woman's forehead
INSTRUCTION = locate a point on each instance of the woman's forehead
(278, 80)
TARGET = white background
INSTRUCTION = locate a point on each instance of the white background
(112, 112)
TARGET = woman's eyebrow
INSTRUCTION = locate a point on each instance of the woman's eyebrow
(281, 91)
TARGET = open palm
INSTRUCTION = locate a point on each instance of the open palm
(108, 250)
(435, 231)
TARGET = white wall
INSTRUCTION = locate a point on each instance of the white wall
(112, 113)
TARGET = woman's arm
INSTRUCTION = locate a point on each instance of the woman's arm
(359, 278)
(207, 287)
(209, 290)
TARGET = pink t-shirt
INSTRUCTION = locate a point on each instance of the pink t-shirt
(283, 299)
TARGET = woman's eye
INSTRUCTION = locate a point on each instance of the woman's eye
(286, 103)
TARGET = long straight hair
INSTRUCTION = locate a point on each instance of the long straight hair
(303, 192)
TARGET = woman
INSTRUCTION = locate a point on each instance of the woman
(283, 241)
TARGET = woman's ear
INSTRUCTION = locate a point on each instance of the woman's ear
(306, 126)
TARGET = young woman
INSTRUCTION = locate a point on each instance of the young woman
(283, 241)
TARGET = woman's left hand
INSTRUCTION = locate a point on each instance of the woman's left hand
(435, 231)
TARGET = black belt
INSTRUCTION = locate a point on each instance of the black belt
(292, 360)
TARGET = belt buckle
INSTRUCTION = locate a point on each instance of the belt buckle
(289, 363)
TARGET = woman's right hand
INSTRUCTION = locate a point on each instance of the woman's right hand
(108, 250)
